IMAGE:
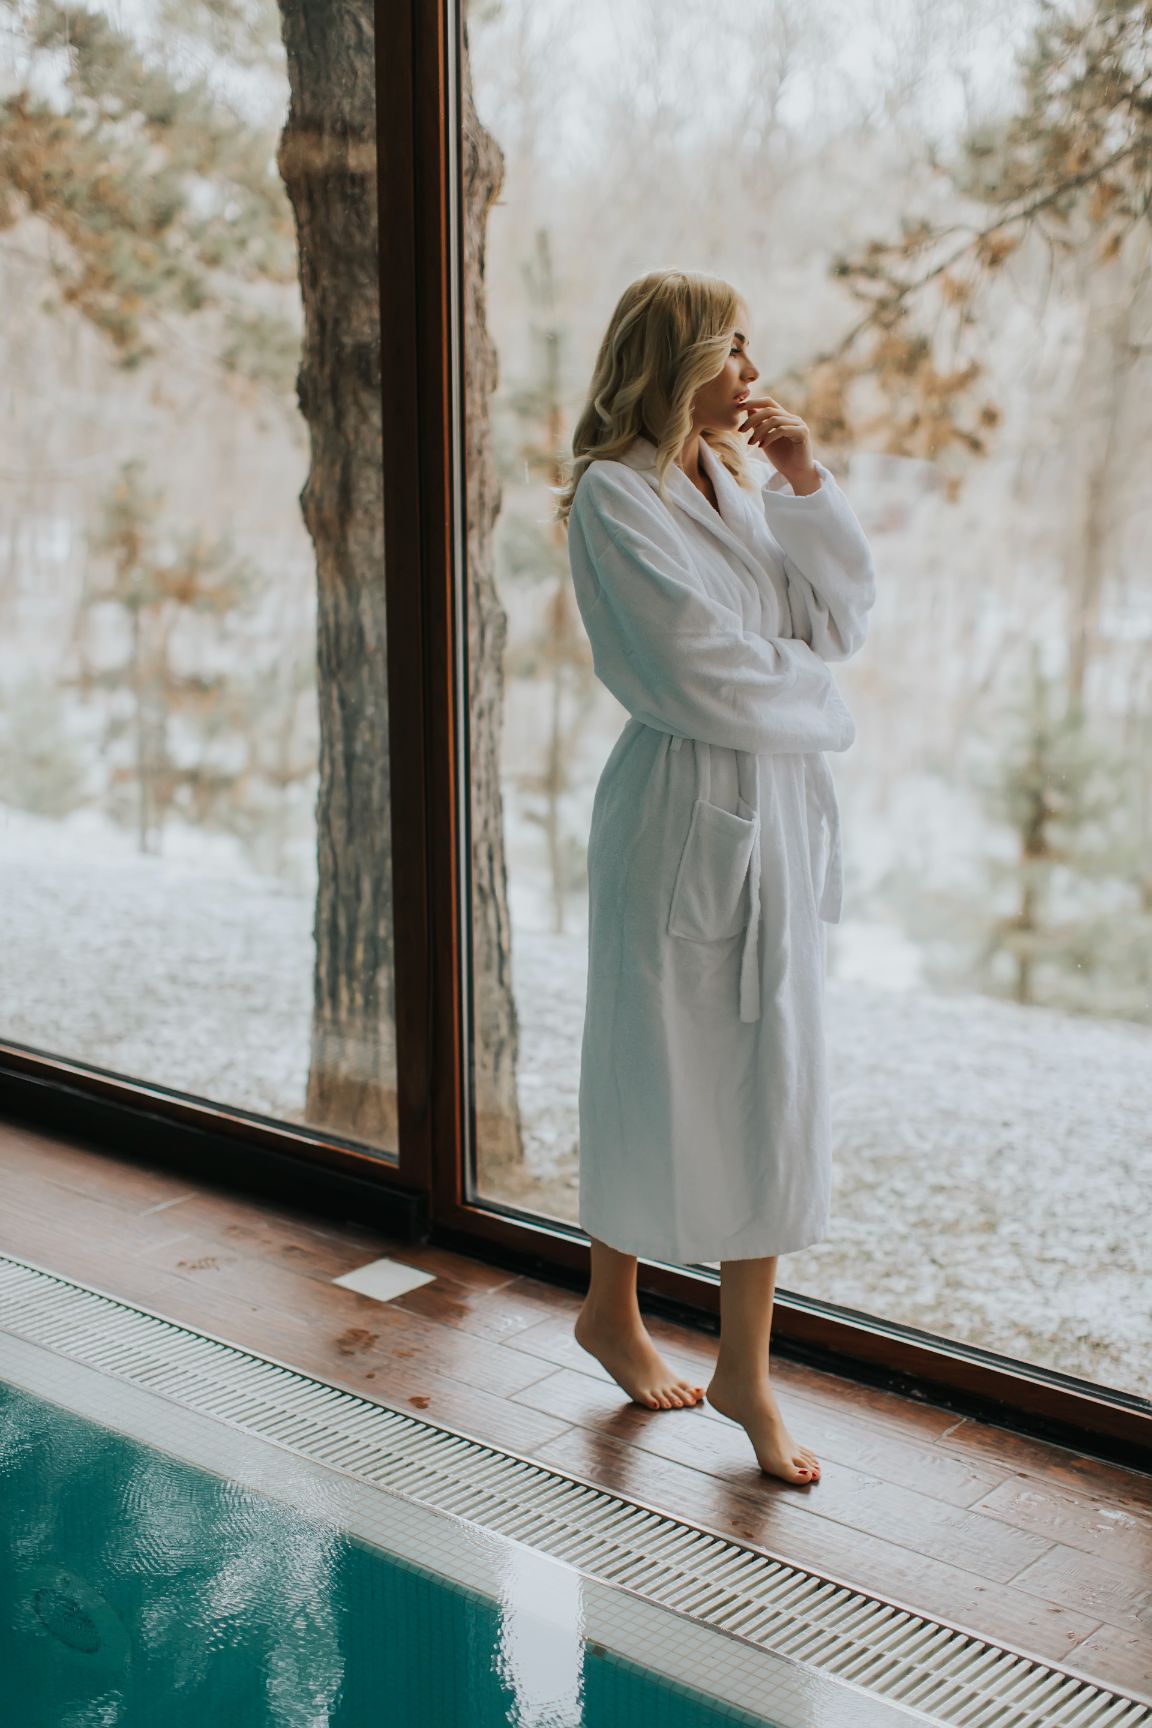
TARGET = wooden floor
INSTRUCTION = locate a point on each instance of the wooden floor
(1008, 1536)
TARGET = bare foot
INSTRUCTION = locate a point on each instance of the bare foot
(755, 1408)
(634, 1362)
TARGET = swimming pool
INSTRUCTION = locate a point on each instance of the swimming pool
(136, 1588)
(159, 1567)
(189, 1528)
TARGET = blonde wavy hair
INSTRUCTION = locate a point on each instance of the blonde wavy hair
(669, 334)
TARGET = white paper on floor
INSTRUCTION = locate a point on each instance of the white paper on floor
(383, 1279)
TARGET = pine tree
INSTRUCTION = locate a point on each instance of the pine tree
(163, 720)
(1044, 925)
(167, 214)
(166, 198)
(41, 762)
(536, 552)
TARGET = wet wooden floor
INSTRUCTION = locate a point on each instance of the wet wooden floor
(1010, 1537)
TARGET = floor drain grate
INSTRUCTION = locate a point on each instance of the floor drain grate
(951, 1676)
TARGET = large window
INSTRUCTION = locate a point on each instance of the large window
(194, 843)
(949, 264)
(961, 312)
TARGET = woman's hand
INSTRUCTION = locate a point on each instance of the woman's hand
(784, 438)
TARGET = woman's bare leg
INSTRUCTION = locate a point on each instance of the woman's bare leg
(610, 1327)
(740, 1387)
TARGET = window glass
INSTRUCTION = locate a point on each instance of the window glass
(195, 885)
(960, 312)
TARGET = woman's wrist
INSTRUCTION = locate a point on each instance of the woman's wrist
(804, 484)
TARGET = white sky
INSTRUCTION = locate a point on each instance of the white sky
(703, 61)
(940, 59)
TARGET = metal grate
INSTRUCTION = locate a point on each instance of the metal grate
(949, 1675)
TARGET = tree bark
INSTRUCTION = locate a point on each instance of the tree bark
(497, 1040)
(327, 158)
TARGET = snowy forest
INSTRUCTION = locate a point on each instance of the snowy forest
(939, 218)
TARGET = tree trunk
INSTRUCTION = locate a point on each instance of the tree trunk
(327, 159)
(1096, 409)
(497, 1040)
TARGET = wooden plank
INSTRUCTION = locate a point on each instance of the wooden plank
(1120, 1534)
(359, 1351)
(325, 1308)
(846, 1495)
(35, 1229)
(1126, 1657)
(281, 1237)
(816, 1386)
(129, 1186)
(1091, 1585)
(769, 1520)
(694, 1354)
(1049, 1462)
(494, 1314)
(593, 1403)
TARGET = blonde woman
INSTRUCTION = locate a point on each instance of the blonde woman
(719, 570)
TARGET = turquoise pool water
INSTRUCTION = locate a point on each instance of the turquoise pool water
(137, 1591)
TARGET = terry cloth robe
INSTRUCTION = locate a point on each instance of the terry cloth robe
(714, 852)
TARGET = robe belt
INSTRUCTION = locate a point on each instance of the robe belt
(820, 795)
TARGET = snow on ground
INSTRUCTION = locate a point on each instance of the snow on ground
(194, 976)
(993, 1163)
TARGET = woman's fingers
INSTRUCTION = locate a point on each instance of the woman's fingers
(777, 418)
(775, 428)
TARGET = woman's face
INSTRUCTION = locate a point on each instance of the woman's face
(717, 406)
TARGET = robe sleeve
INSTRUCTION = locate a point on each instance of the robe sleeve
(827, 561)
(675, 656)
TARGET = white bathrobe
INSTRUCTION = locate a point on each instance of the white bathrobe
(713, 854)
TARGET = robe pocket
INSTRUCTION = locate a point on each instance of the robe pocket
(710, 896)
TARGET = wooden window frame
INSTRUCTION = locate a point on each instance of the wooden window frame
(424, 1192)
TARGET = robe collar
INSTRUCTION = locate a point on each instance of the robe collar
(730, 525)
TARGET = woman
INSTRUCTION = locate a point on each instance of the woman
(715, 587)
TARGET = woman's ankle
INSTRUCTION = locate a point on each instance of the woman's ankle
(740, 1376)
(617, 1312)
